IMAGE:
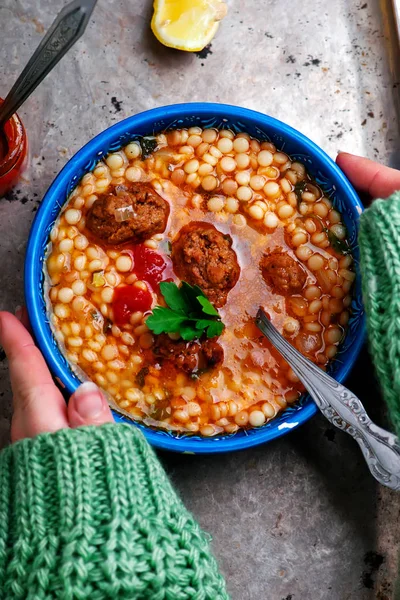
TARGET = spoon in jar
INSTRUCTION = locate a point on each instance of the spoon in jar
(62, 35)
(381, 449)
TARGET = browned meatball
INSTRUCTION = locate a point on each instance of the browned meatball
(132, 213)
(203, 256)
(189, 356)
(282, 273)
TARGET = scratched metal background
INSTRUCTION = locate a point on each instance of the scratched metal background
(300, 518)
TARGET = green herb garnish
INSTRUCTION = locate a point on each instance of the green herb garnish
(299, 188)
(339, 246)
(140, 377)
(148, 144)
(188, 312)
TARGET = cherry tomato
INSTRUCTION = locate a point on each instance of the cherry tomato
(127, 300)
(149, 265)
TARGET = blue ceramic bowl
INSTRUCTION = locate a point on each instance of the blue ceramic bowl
(319, 165)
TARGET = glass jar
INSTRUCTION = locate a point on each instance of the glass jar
(13, 158)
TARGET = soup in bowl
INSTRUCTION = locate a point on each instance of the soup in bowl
(166, 245)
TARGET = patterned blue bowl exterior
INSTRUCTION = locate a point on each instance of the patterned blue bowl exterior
(319, 165)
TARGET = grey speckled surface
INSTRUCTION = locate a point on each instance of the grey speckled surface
(300, 518)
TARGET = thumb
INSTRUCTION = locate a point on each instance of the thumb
(88, 406)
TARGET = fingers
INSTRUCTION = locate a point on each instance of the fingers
(88, 406)
(368, 176)
(38, 404)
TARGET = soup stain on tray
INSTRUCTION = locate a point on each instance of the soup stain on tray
(242, 225)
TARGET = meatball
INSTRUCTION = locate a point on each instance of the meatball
(282, 273)
(203, 256)
(132, 213)
(189, 356)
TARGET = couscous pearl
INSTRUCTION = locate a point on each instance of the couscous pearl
(242, 178)
(226, 133)
(257, 182)
(95, 265)
(191, 166)
(231, 205)
(315, 306)
(61, 311)
(102, 184)
(72, 216)
(242, 161)
(229, 187)
(132, 150)
(81, 242)
(303, 252)
(209, 183)
(75, 342)
(215, 152)
(227, 163)
(271, 220)
(333, 335)
(339, 231)
(209, 136)
(242, 418)
(285, 211)
(109, 352)
(256, 418)
(66, 245)
(133, 174)
(315, 262)
(114, 161)
(78, 287)
(210, 159)
(244, 193)
(312, 292)
(65, 295)
(265, 158)
(215, 204)
(241, 145)
(272, 189)
(299, 238)
(123, 263)
(194, 140)
(107, 295)
(308, 197)
(205, 169)
(268, 410)
(80, 262)
(225, 145)
(256, 212)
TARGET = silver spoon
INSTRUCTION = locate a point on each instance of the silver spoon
(62, 35)
(342, 408)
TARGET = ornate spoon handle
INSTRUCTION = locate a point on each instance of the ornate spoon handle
(64, 32)
(343, 409)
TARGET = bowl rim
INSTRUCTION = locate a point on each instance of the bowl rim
(34, 258)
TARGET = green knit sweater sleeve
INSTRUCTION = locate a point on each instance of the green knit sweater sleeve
(379, 241)
(90, 513)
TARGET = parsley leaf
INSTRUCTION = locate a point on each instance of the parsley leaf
(165, 320)
(189, 313)
(173, 297)
(207, 306)
(339, 246)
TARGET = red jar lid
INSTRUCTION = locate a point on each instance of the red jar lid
(13, 157)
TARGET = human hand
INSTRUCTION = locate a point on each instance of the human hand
(38, 405)
(369, 177)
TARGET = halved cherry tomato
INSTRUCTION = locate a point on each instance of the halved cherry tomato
(129, 299)
(149, 265)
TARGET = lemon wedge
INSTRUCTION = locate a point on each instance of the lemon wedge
(187, 24)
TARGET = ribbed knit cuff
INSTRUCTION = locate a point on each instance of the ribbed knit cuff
(89, 513)
(379, 241)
